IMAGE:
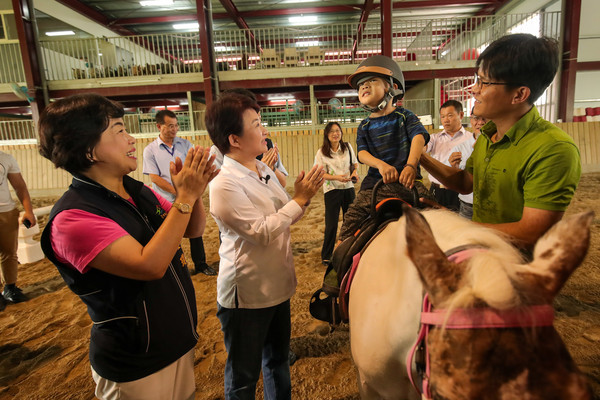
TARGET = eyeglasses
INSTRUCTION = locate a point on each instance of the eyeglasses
(479, 82)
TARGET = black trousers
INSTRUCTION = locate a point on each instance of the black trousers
(446, 197)
(334, 200)
(197, 250)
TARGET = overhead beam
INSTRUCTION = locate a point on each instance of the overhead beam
(588, 66)
(95, 16)
(241, 23)
(364, 16)
(241, 14)
(441, 3)
(399, 5)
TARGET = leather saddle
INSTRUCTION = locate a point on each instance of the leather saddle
(324, 304)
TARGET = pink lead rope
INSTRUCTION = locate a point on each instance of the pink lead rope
(474, 318)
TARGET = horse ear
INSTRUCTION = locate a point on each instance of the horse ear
(440, 276)
(557, 254)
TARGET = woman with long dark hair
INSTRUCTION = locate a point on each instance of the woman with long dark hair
(340, 164)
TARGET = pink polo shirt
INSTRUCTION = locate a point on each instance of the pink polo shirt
(78, 236)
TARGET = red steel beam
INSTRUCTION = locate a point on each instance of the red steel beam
(588, 66)
(495, 4)
(364, 16)
(489, 9)
(241, 23)
(95, 16)
(26, 32)
(442, 3)
(241, 14)
(205, 31)
(570, 35)
(386, 28)
(164, 91)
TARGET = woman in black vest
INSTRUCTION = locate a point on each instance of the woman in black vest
(116, 244)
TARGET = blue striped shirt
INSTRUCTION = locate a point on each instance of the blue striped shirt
(388, 138)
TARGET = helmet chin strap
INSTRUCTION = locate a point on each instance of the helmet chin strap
(389, 96)
(383, 104)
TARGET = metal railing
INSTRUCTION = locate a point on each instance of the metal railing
(11, 63)
(142, 55)
(17, 130)
(441, 39)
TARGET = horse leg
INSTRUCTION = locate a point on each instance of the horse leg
(366, 392)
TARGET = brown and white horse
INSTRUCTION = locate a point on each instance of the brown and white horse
(409, 258)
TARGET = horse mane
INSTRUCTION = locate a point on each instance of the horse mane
(489, 275)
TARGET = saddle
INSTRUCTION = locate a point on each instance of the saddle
(324, 303)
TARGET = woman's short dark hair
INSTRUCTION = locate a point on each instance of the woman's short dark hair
(326, 148)
(70, 128)
(521, 60)
(224, 117)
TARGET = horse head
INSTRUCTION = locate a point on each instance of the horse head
(500, 363)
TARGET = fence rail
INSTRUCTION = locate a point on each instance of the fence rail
(11, 63)
(297, 149)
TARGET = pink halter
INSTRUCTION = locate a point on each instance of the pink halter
(474, 318)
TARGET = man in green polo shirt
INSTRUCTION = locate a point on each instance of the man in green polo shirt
(523, 170)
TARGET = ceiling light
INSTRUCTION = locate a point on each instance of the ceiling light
(149, 3)
(60, 33)
(305, 19)
(188, 25)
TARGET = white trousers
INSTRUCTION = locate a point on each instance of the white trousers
(174, 382)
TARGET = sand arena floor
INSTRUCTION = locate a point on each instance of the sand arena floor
(44, 341)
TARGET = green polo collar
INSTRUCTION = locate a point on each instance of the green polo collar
(518, 130)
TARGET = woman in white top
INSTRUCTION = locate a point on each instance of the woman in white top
(256, 271)
(340, 164)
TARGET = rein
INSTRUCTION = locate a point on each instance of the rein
(472, 318)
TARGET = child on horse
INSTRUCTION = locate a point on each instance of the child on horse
(390, 140)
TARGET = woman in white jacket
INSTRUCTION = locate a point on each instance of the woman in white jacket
(256, 272)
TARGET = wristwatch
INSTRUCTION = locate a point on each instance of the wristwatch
(183, 208)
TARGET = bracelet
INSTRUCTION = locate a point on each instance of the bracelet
(410, 165)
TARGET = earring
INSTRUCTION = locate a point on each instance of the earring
(90, 158)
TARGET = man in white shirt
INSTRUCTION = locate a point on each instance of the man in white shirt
(9, 226)
(157, 158)
(458, 159)
(442, 145)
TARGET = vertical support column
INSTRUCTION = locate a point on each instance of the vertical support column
(205, 30)
(571, 11)
(386, 28)
(28, 43)
(437, 92)
(314, 115)
(191, 111)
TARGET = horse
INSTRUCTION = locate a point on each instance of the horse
(409, 258)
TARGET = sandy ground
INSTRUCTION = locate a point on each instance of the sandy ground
(44, 341)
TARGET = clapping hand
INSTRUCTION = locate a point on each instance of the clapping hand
(307, 184)
(270, 157)
(455, 159)
(191, 177)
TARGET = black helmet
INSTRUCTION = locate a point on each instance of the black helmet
(381, 66)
